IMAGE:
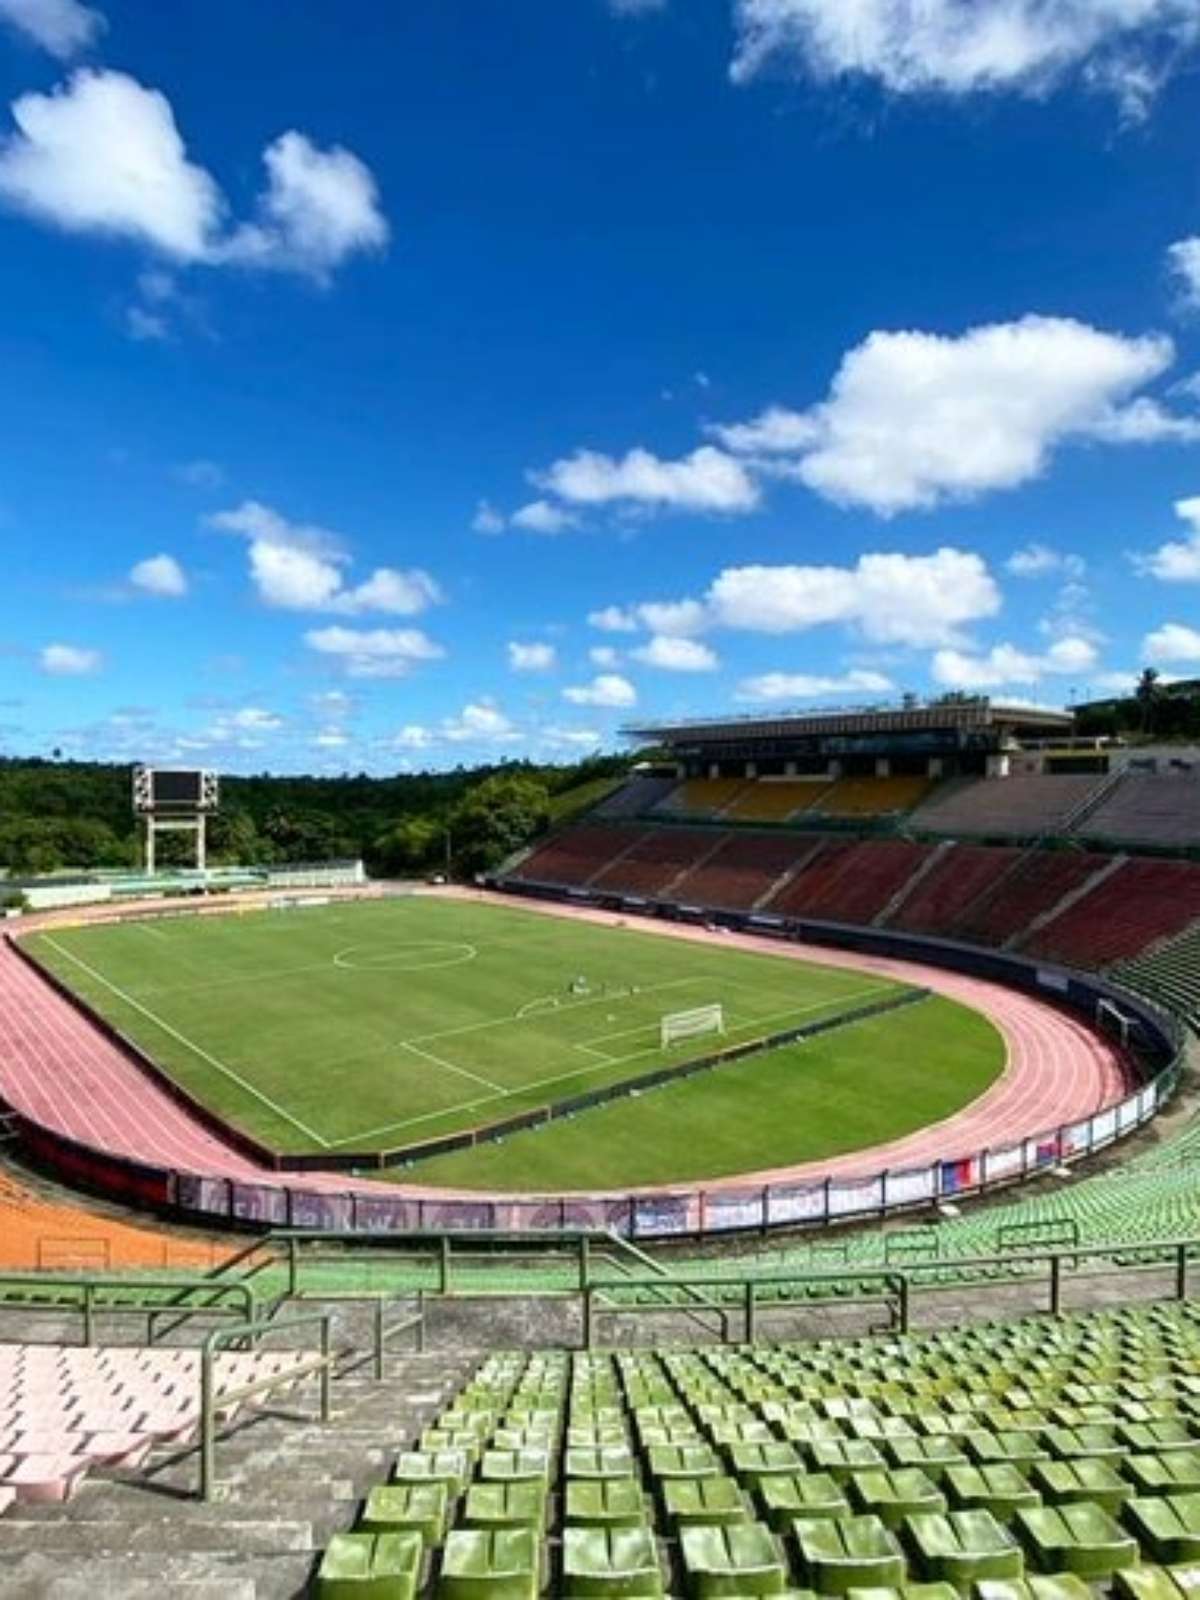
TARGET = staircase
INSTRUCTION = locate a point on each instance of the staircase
(284, 1486)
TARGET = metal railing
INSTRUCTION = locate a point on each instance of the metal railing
(151, 1297)
(212, 1401)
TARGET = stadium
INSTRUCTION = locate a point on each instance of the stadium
(802, 1021)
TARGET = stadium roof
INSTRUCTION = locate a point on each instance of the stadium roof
(938, 716)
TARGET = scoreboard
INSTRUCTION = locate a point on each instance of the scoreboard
(180, 789)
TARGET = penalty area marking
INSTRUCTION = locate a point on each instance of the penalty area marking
(189, 1044)
(405, 957)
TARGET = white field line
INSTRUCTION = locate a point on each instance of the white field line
(450, 1067)
(577, 1005)
(756, 1022)
(188, 1044)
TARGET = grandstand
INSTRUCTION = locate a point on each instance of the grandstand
(1022, 806)
(1149, 809)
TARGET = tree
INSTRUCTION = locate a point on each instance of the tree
(1148, 695)
(499, 816)
(412, 845)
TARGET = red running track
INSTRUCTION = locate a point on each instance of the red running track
(60, 1071)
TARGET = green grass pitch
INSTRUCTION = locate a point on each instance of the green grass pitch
(373, 1025)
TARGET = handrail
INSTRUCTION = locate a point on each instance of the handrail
(89, 1293)
(253, 1329)
(699, 1302)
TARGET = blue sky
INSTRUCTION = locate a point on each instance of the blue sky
(394, 386)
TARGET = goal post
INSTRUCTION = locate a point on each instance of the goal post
(675, 1027)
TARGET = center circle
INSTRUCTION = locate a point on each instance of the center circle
(415, 956)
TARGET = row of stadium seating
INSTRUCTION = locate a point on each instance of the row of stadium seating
(1018, 1462)
(1134, 807)
(36, 1232)
(1083, 909)
(67, 1411)
(1169, 974)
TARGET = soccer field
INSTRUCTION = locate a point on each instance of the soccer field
(373, 1025)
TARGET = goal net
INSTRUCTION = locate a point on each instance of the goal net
(677, 1026)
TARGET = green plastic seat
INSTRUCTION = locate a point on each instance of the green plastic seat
(1001, 1489)
(1172, 1472)
(842, 1553)
(370, 1566)
(515, 1466)
(804, 1495)
(451, 1467)
(1019, 1448)
(1141, 1438)
(505, 1505)
(684, 1461)
(604, 1503)
(504, 1564)
(606, 1461)
(596, 1437)
(1088, 1478)
(602, 1562)
(1157, 1583)
(696, 1502)
(1034, 1586)
(934, 1456)
(964, 1547)
(842, 1457)
(723, 1562)
(751, 1463)
(1167, 1527)
(422, 1508)
(892, 1496)
(1068, 1444)
(1080, 1538)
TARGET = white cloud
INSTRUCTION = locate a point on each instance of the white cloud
(603, 655)
(146, 326)
(531, 657)
(159, 575)
(319, 208)
(335, 704)
(606, 689)
(481, 721)
(69, 661)
(570, 738)
(1040, 560)
(917, 419)
(487, 519)
(541, 516)
(374, 652)
(103, 154)
(330, 739)
(1115, 682)
(298, 567)
(613, 619)
(1005, 664)
(677, 655)
(413, 736)
(1183, 263)
(61, 27)
(771, 686)
(199, 473)
(1173, 642)
(958, 47)
(681, 618)
(708, 480)
(1177, 561)
(254, 719)
(890, 598)
(775, 430)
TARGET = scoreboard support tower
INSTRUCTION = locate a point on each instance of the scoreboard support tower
(174, 800)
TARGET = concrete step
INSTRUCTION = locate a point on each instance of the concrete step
(153, 1576)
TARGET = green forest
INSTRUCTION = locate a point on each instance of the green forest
(78, 814)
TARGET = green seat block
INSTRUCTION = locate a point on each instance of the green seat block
(1167, 1527)
(1147, 1583)
(842, 1553)
(600, 1562)
(503, 1564)
(1080, 1538)
(964, 1547)
(451, 1467)
(1019, 1448)
(892, 1496)
(684, 1461)
(842, 1457)
(604, 1503)
(440, 1438)
(515, 1466)
(1087, 1478)
(596, 1437)
(423, 1508)
(607, 1461)
(1143, 1437)
(1172, 1472)
(534, 1438)
(722, 1562)
(934, 1456)
(751, 1463)
(805, 1494)
(1067, 1444)
(908, 1591)
(370, 1566)
(1062, 1586)
(695, 1502)
(1001, 1489)
(505, 1505)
